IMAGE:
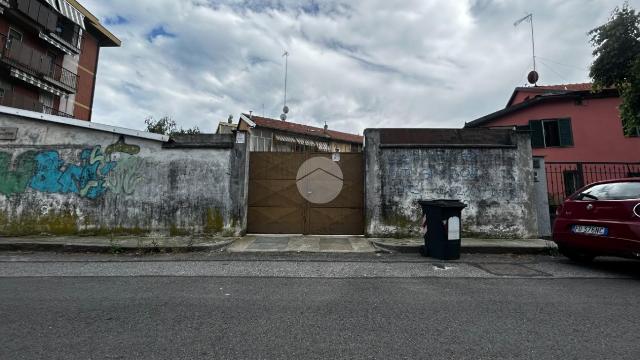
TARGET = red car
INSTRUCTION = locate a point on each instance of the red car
(602, 218)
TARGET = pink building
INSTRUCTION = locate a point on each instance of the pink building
(578, 132)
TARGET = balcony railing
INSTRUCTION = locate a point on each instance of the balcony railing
(38, 12)
(26, 103)
(36, 63)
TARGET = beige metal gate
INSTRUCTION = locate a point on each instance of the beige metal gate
(306, 193)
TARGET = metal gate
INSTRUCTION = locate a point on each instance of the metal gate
(564, 178)
(306, 193)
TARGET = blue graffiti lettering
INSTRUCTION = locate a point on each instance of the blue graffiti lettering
(53, 175)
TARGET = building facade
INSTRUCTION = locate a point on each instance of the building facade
(568, 123)
(49, 56)
(578, 133)
(271, 135)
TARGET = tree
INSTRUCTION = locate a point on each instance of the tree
(168, 126)
(617, 62)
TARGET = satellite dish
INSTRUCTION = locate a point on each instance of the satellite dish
(283, 117)
(533, 77)
(285, 109)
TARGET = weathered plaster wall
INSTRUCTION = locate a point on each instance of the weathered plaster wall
(62, 179)
(496, 182)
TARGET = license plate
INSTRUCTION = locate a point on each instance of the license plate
(590, 230)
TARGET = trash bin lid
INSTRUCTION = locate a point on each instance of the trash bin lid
(444, 203)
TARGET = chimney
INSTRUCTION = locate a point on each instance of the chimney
(326, 127)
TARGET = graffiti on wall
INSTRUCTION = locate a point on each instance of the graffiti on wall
(124, 178)
(14, 181)
(54, 175)
(116, 169)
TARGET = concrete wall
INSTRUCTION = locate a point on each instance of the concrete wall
(490, 170)
(64, 179)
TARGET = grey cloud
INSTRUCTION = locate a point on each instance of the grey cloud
(354, 64)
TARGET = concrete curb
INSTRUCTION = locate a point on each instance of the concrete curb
(472, 249)
(99, 248)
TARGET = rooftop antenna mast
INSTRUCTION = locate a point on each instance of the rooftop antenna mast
(285, 108)
(533, 76)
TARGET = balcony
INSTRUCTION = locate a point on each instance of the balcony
(37, 12)
(25, 103)
(31, 61)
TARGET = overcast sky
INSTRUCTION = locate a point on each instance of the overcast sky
(353, 63)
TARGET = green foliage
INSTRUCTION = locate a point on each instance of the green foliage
(617, 61)
(630, 108)
(168, 126)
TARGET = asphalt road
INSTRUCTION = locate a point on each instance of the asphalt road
(216, 306)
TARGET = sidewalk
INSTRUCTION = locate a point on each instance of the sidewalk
(116, 244)
(474, 246)
(262, 244)
(317, 244)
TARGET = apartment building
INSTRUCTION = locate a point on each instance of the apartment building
(49, 56)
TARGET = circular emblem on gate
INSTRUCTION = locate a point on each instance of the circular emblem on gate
(636, 210)
(319, 180)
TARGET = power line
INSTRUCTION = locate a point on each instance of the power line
(561, 64)
(552, 70)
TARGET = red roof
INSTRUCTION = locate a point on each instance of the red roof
(543, 89)
(567, 87)
(305, 129)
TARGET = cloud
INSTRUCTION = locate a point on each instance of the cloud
(354, 64)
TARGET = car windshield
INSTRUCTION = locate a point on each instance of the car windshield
(613, 191)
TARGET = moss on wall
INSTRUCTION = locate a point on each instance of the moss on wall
(403, 227)
(54, 223)
(176, 231)
(117, 231)
(214, 222)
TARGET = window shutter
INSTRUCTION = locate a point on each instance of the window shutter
(537, 134)
(566, 137)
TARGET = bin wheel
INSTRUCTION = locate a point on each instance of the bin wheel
(576, 255)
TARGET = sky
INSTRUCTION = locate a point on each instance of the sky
(354, 64)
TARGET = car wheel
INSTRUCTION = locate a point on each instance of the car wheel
(576, 255)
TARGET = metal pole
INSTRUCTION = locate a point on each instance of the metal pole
(286, 67)
(533, 44)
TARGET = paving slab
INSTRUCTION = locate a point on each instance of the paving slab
(321, 244)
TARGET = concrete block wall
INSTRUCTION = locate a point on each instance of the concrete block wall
(489, 170)
(63, 179)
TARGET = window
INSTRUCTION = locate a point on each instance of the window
(6, 91)
(551, 133)
(68, 31)
(635, 132)
(613, 191)
(46, 99)
(14, 36)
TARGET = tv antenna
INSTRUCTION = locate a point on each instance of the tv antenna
(285, 108)
(533, 76)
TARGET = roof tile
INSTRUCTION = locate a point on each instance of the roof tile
(304, 129)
